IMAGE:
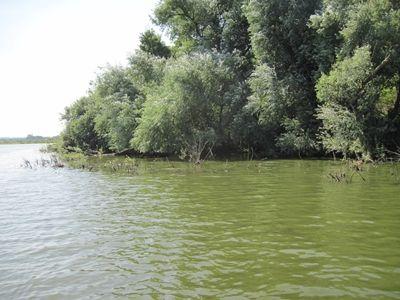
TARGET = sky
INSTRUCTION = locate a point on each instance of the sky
(51, 50)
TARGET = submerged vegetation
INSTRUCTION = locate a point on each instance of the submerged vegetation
(53, 161)
(334, 171)
(264, 77)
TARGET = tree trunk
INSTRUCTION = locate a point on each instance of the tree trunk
(396, 108)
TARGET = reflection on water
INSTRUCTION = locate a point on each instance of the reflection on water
(243, 229)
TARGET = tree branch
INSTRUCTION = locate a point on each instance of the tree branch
(376, 71)
(396, 108)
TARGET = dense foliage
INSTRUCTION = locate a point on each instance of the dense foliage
(273, 77)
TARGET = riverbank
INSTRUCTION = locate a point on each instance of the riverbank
(341, 171)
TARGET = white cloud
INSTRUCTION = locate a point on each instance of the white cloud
(49, 51)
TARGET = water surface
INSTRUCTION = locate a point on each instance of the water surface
(271, 229)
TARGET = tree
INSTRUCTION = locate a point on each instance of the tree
(106, 118)
(295, 139)
(151, 43)
(374, 24)
(146, 70)
(80, 131)
(284, 79)
(215, 25)
(117, 107)
(278, 77)
(349, 106)
(192, 109)
(116, 121)
(342, 132)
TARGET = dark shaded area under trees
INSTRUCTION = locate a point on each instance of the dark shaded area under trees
(273, 77)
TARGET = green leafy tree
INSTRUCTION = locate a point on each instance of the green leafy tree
(284, 79)
(106, 118)
(272, 76)
(117, 107)
(348, 92)
(375, 24)
(146, 70)
(80, 126)
(116, 121)
(192, 109)
(295, 139)
(151, 43)
(342, 131)
(217, 25)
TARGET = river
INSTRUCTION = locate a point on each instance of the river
(257, 230)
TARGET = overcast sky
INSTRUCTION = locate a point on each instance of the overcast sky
(51, 50)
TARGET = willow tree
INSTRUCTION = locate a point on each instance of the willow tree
(365, 80)
(79, 132)
(192, 110)
(283, 82)
(117, 109)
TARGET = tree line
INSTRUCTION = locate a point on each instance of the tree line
(29, 139)
(270, 77)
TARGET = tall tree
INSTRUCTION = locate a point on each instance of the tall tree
(219, 25)
(283, 83)
(372, 25)
(192, 109)
(151, 43)
(79, 132)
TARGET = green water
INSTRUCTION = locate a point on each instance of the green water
(243, 230)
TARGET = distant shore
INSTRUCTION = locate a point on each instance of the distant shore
(30, 139)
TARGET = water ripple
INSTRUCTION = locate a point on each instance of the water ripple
(252, 230)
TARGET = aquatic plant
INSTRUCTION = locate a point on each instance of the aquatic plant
(53, 162)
